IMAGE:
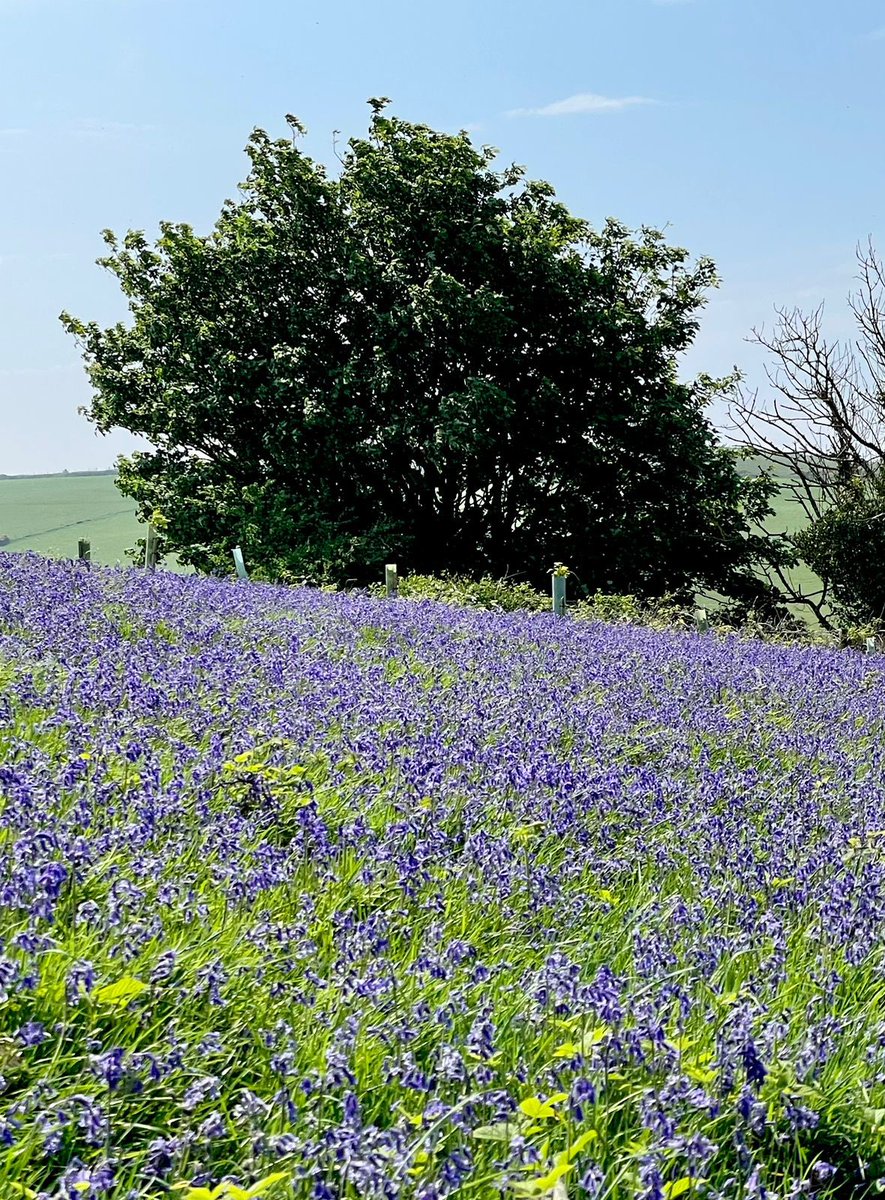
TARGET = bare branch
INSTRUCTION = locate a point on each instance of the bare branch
(821, 425)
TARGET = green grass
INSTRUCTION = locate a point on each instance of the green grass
(49, 514)
(788, 516)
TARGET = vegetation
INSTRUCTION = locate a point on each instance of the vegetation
(424, 359)
(48, 514)
(322, 896)
(822, 425)
(846, 545)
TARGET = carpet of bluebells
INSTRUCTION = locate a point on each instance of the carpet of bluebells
(321, 896)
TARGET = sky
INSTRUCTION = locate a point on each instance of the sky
(751, 130)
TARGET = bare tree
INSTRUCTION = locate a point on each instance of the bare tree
(821, 426)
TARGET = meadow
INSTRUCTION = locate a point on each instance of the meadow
(317, 896)
(788, 516)
(49, 514)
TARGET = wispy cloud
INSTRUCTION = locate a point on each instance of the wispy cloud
(582, 102)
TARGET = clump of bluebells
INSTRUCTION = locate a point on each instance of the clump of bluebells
(319, 895)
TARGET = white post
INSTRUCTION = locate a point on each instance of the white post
(870, 645)
(558, 594)
(701, 620)
(150, 548)
(242, 573)
(391, 580)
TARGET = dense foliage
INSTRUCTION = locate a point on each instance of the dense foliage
(396, 900)
(422, 359)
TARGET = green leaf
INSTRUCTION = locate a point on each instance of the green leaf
(678, 1187)
(544, 1183)
(264, 1185)
(536, 1109)
(567, 1050)
(581, 1143)
(500, 1132)
(121, 993)
(700, 1074)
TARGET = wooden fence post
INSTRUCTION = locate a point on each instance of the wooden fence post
(84, 550)
(391, 580)
(701, 620)
(150, 548)
(239, 564)
(871, 645)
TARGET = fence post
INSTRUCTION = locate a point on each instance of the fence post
(150, 548)
(559, 576)
(239, 564)
(84, 550)
(701, 620)
(871, 645)
(391, 580)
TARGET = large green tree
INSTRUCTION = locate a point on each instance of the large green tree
(422, 359)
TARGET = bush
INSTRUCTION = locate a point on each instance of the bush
(496, 595)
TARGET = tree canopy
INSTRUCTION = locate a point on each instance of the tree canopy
(422, 359)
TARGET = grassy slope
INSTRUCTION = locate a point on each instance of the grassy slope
(50, 513)
(788, 517)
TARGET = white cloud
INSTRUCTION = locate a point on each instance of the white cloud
(582, 102)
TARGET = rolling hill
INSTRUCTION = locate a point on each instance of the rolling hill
(50, 513)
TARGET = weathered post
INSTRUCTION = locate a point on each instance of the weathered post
(871, 645)
(701, 620)
(239, 564)
(84, 550)
(391, 580)
(559, 575)
(150, 547)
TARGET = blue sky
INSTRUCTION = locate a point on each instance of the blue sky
(751, 129)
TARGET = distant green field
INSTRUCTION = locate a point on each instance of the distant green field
(788, 516)
(50, 513)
